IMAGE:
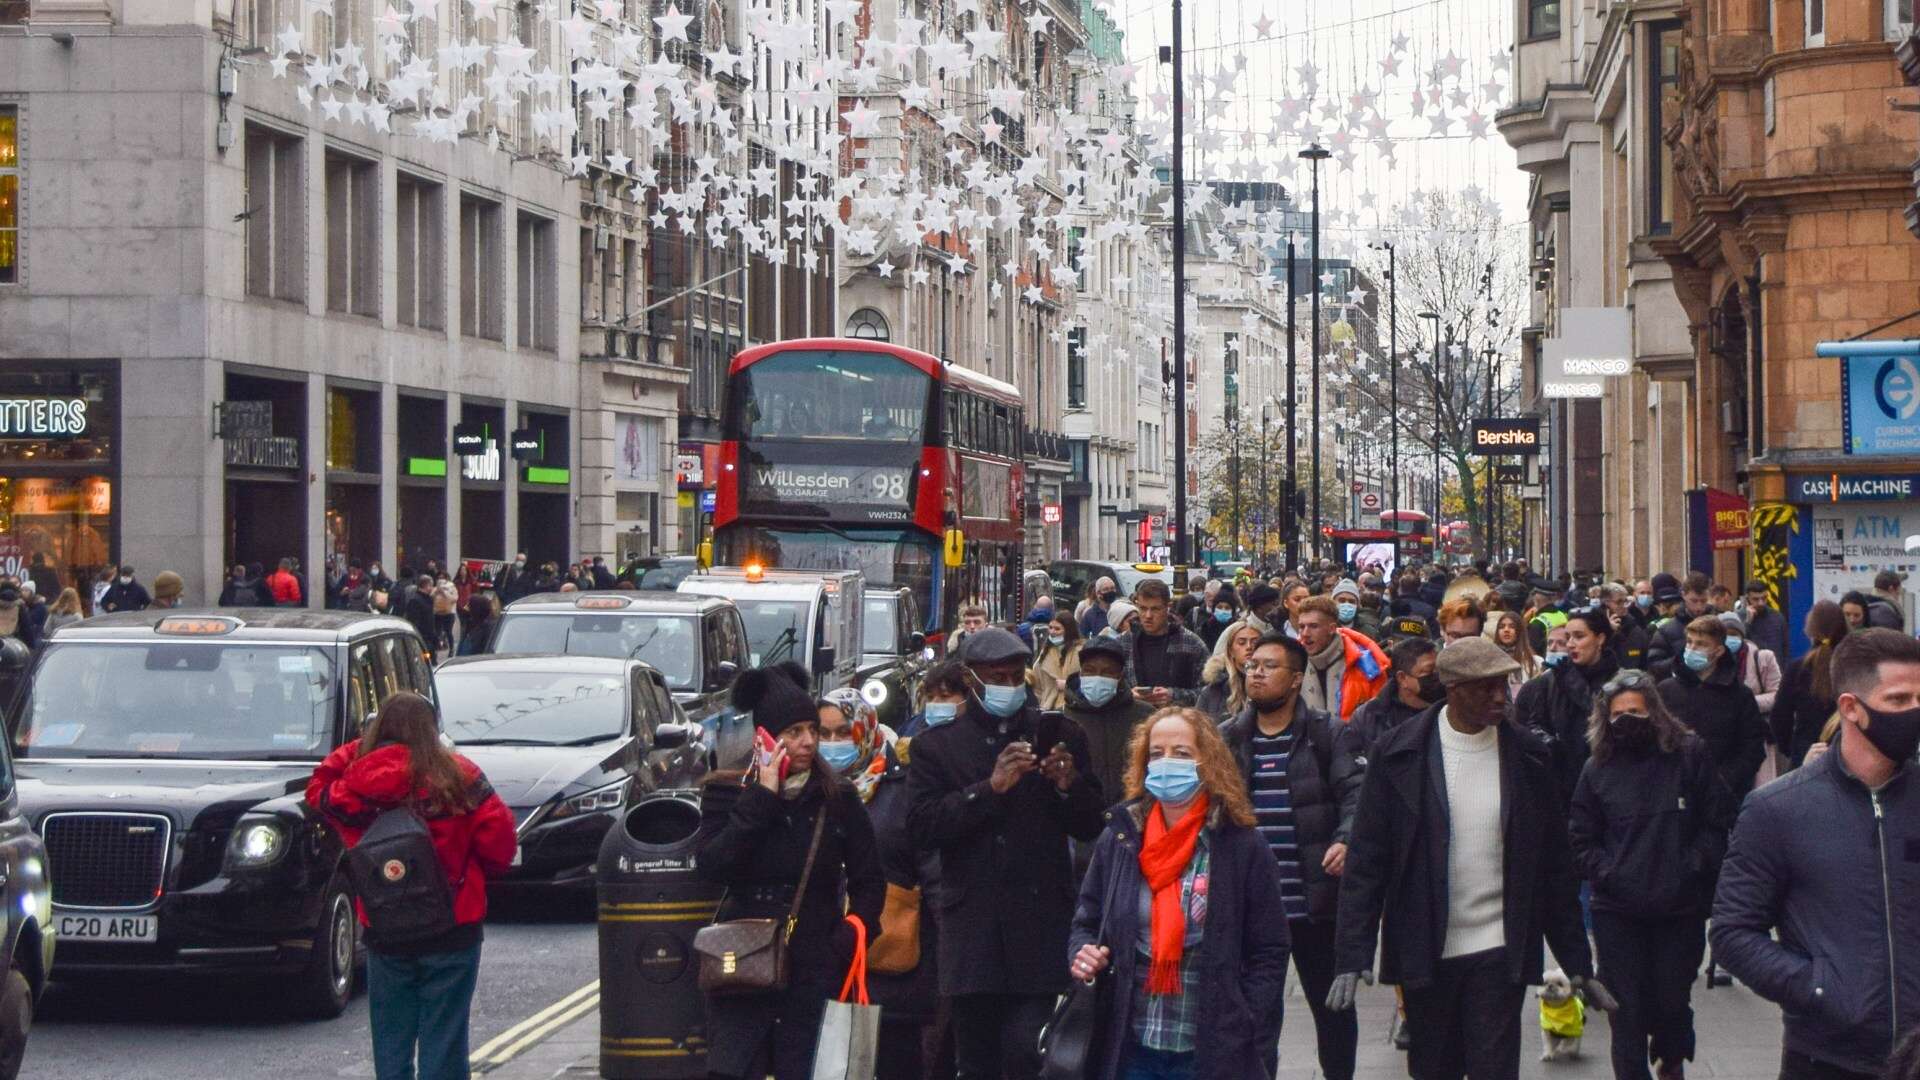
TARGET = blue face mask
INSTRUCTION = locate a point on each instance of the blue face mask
(1645, 600)
(1056, 640)
(1173, 780)
(1554, 659)
(1003, 701)
(1224, 615)
(1347, 612)
(1734, 643)
(941, 712)
(1697, 660)
(840, 755)
(1098, 689)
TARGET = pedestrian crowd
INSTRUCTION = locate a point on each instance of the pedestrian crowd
(1460, 784)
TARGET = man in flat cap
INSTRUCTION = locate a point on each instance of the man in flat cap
(1460, 850)
(997, 793)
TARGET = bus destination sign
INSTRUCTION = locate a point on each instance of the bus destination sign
(872, 492)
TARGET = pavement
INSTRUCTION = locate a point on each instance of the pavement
(1738, 1033)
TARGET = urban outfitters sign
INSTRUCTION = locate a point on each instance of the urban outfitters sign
(42, 418)
(1498, 437)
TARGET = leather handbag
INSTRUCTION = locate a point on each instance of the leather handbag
(1066, 1043)
(897, 951)
(750, 956)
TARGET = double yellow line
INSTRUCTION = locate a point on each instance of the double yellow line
(528, 1033)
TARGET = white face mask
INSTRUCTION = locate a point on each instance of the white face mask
(126, 579)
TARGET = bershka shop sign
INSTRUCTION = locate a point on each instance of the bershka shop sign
(1497, 437)
(42, 418)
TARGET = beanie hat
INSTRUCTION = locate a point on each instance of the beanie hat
(776, 696)
(1118, 611)
(167, 585)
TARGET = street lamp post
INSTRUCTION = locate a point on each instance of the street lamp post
(1233, 418)
(1316, 154)
(1265, 511)
(1183, 543)
(1491, 356)
(1433, 317)
(1292, 481)
(1393, 377)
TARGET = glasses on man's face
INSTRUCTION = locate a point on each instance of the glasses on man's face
(1264, 667)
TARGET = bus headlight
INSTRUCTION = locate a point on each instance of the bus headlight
(875, 692)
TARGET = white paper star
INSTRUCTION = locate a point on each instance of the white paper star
(673, 25)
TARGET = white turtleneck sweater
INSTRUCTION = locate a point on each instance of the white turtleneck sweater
(1476, 854)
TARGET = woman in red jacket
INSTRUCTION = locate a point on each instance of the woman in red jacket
(419, 991)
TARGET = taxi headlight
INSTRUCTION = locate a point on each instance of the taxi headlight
(256, 843)
(875, 692)
(600, 800)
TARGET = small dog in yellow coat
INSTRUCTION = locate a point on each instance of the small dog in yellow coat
(1563, 1017)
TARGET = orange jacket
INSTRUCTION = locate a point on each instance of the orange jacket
(1364, 674)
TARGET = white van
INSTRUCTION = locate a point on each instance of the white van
(812, 617)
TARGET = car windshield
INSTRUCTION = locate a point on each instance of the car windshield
(878, 628)
(663, 578)
(179, 700)
(668, 642)
(776, 629)
(553, 708)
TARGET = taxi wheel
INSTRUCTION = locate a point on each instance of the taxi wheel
(326, 985)
(16, 1016)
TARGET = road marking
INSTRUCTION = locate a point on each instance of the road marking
(491, 1055)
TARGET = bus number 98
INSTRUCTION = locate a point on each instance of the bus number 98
(892, 486)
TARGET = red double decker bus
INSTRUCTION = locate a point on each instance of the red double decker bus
(844, 454)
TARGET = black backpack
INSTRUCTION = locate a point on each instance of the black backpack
(397, 875)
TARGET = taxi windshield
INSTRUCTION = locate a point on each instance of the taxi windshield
(665, 641)
(179, 700)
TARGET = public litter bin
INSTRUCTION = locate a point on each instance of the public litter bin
(652, 1015)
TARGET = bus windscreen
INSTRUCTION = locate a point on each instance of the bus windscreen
(812, 394)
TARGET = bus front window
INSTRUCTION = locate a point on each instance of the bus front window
(815, 394)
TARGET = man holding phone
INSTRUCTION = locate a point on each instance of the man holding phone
(1165, 660)
(997, 793)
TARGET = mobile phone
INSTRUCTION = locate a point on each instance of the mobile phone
(1046, 734)
(763, 749)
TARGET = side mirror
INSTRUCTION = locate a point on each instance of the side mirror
(724, 673)
(823, 658)
(916, 641)
(672, 736)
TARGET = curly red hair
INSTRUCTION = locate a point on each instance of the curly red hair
(1219, 772)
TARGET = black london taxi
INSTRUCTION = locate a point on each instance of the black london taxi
(697, 643)
(164, 757)
(568, 743)
(25, 902)
(893, 654)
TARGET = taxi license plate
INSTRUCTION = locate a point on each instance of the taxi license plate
(106, 927)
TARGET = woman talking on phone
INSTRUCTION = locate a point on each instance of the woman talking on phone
(791, 817)
(1183, 904)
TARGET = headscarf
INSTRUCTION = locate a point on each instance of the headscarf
(869, 734)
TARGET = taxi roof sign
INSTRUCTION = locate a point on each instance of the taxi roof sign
(602, 602)
(1149, 567)
(196, 625)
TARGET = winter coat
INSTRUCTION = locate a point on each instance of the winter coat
(1649, 828)
(478, 638)
(1722, 712)
(1242, 953)
(1216, 697)
(129, 597)
(908, 995)
(1052, 667)
(1830, 866)
(1367, 621)
(755, 843)
(1395, 885)
(1767, 628)
(1513, 593)
(1630, 642)
(1373, 721)
(1363, 672)
(350, 789)
(16, 621)
(1093, 620)
(1186, 659)
(1006, 881)
(418, 611)
(246, 592)
(1555, 706)
(1667, 643)
(1209, 627)
(1323, 793)
(446, 598)
(1109, 731)
(285, 589)
(1799, 715)
(1760, 672)
(1884, 614)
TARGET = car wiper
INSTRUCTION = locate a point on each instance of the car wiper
(503, 742)
(589, 740)
(782, 646)
(635, 651)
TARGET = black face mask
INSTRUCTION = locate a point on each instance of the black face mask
(1632, 729)
(1432, 690)
(1895, 734)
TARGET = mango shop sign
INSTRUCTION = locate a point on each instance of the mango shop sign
(1500, 436)
(42, 418)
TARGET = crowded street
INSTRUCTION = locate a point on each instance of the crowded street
(960, 539)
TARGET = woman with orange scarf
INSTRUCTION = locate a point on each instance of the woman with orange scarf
(1181, 911)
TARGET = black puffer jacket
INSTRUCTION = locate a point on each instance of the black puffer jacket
(1556, 704)
(1829, 866)
(1323, 792)
(1649, 828)
(1374, 720)
(1799, 714)
(1721, 710)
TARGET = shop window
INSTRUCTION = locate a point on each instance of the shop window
(1663, 104)
(276, 233)
(1899, 15)
(639, 440)
(9, 194)
(353, 235)
(538, 318)
(480, 309)
(420, 252)
(1543, 18)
